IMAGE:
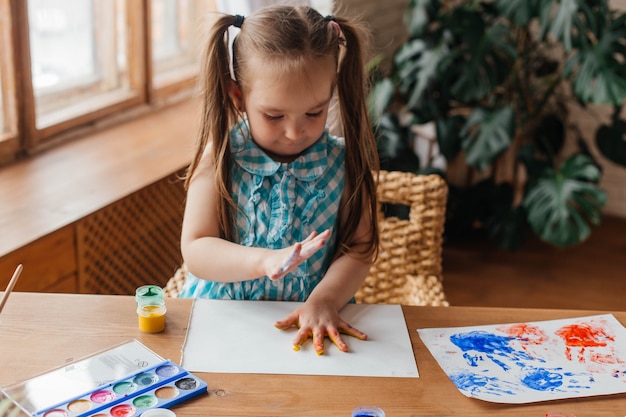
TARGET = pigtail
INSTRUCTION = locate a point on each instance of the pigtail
(219, 113)
(361, 151)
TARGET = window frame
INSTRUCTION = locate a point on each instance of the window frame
(9, 135)
(25, 137)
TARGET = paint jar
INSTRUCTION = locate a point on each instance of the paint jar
(368, 411)
(146, 294)
(151, 317)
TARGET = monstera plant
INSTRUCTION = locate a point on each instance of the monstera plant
(499, 80)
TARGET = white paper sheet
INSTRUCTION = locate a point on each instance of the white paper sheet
(538, 361)
(240, 337)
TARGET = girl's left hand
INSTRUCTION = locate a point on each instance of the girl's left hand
(316, 321)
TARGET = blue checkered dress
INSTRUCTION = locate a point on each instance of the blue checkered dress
(282, 203)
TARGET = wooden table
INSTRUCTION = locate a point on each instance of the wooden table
(39, 332)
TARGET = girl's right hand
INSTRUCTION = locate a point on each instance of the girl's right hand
(283, 261)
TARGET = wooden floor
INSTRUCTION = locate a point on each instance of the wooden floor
(589, 276)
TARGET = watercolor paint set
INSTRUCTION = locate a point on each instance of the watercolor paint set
(163, 386)
(124, 381)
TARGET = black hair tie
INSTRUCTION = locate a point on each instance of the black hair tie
(238, 21)
(329, 18)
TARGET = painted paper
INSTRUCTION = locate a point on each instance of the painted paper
(529, 362)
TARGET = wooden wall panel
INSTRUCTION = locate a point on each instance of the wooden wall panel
(613, 175)
(385, 21)
(47, 262)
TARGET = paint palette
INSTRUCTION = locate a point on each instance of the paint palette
(124, 380)
(161, 386)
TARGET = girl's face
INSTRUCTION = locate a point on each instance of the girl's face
(287, 111)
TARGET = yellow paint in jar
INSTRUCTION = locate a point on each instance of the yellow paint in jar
(151, 317)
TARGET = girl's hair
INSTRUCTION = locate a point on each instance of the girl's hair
(288, 38)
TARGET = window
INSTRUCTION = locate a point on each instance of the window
(67, 65)
(89, 60)
(78, 57)
(175, 39)
(8, 122)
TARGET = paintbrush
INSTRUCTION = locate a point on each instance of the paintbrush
(7, 292)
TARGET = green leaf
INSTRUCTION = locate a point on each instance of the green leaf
(611, 141)
(488, 61)
(533, 160)
(561, 206)
(487, 134)
(394, 144)
(598, 81)
(418, 15)
(600, 70)
(520, 12)
(448, 137)
(581, 167)
(390, 135)
(417, 63)
(380, 97)
(562, 19)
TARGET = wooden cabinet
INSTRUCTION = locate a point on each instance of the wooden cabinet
(131, 242)
(49, 264)
(101, 214)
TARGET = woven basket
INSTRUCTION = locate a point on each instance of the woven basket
(408, 269)
(409, 265)
(175, 284)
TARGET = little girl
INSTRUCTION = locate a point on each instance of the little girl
(277, 208)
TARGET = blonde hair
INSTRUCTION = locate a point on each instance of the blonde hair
(290, 37)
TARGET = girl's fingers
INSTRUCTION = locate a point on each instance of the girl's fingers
(351, 331)
(309, 237)
(293, 260)
(315, 244)
(282, 325)
(318, 342)
(336, 339)
(288, 322)
(301, 252)
(318, 335)
(300, 339)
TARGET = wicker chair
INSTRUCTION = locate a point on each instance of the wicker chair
(408, 269)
